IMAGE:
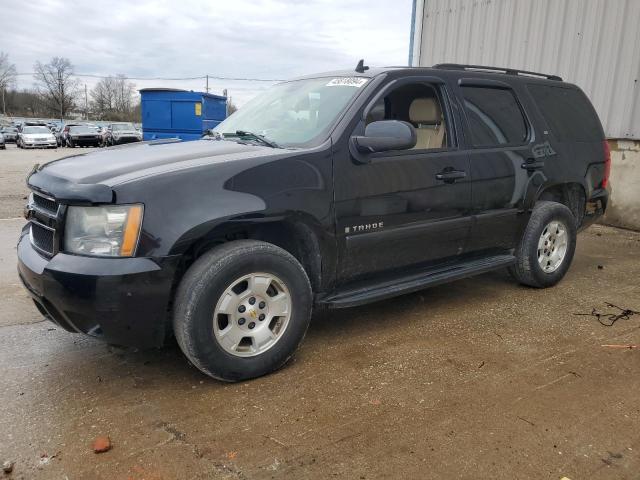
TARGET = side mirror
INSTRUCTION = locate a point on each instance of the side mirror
(386, 135)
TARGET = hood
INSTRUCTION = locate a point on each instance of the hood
(90, 176)
(126, 132)
(84, 134)
(37, 135)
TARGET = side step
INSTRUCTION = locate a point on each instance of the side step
(414, 282)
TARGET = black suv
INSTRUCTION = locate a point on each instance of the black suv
(332, 190)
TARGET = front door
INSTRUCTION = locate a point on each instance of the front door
(403, 208)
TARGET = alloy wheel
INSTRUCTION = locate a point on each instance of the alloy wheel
(252, 314)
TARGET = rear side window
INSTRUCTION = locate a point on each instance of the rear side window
(568, 113)
(495, 117)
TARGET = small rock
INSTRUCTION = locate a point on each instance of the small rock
(600, 267)
(7, 467)
(101, 445)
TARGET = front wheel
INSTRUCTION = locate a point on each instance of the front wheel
(242, 309)
(546, 249)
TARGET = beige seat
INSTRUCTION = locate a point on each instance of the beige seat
(426, 114)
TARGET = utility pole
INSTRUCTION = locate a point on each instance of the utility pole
(207, 88)
(4, 107)
(86, 103)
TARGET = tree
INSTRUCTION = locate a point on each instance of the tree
(7, 77)
(113, 98)
(56, 86)
(231, 107)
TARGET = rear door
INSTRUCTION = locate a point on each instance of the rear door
(498, 138)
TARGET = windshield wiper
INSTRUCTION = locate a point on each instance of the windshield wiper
(254, 136)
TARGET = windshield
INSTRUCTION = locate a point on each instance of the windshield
(122, 126)
(83, 129)
(294, 113)
(35, 130)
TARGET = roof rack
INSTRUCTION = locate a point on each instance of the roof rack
(483, 68)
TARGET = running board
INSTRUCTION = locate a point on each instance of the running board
(412, 283)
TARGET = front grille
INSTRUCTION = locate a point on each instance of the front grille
(42, 238)
(44, 203)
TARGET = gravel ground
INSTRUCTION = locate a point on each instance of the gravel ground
(481, 378)
(15, 164)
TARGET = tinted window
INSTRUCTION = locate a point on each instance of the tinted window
(495, 118)
(568, 113)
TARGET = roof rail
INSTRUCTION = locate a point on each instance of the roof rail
(483, 68)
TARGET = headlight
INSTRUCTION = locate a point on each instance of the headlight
(110, 230)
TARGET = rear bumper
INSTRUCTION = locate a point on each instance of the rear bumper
(595, 207)
(119, 300)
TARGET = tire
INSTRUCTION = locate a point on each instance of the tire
(543, 267)
(198, 324)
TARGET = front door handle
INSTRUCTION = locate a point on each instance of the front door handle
(532, 164)
(450, 176)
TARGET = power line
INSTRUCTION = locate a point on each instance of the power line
(213, 77)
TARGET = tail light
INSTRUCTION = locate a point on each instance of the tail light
(607, 164)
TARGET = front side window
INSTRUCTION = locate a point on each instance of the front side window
(495, 118)
(294, 113)
(420, 105)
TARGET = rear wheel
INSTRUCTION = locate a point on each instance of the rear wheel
(546, 249)
(242, 309)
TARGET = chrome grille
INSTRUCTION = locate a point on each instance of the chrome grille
(44, 203)
(44, 215)
(42, 237)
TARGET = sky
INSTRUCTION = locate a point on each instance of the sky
(271, 39)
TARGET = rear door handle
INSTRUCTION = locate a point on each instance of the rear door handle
(450, 176)
(532, 164)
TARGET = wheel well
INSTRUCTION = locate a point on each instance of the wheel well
(296, 238)
(570, 194)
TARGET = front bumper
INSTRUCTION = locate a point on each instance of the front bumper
(127, 139)
(123, 301)
(86, 141)
(51, 144)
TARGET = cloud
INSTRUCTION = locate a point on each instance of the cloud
(241, 38)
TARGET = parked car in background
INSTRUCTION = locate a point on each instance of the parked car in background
(10, 134)
(36, 137)
(62, 134)
(2, 144)
(83, 136)
(118, 133)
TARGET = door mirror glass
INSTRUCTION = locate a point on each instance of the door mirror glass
(386, 135)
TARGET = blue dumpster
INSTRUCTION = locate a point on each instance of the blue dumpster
(171, 113)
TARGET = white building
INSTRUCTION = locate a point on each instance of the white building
(592, 43)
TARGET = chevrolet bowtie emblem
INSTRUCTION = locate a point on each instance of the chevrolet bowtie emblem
(252, 313)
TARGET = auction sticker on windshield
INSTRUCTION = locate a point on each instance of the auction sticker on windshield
(347, 82)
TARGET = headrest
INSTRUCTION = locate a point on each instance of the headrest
(425, 110)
